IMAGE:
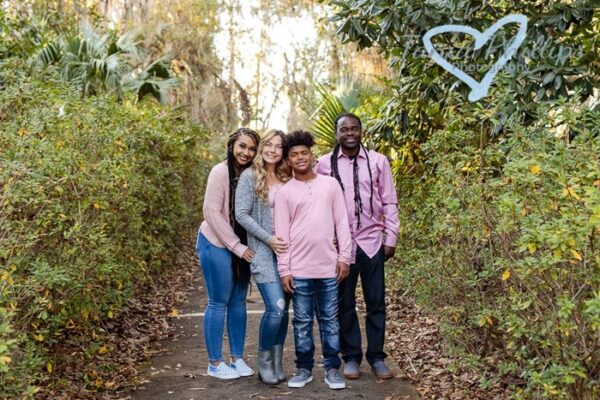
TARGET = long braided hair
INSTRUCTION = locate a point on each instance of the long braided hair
(241, 268)
(358, 206)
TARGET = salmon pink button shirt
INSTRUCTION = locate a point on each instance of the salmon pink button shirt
(378, 225)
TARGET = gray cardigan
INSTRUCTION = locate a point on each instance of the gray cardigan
(254, 215)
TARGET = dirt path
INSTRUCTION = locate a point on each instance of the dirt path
(179, 371)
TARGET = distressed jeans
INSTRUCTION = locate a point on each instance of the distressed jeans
(226, 297)
(274, 322)
(320, 296)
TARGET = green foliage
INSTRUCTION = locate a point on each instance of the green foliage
(346, 97)
(106, 64)
(20, 34)
(556, 59)
(96, 197)
(324, 117)
(501, 240)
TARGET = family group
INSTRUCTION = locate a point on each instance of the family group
(304, 233)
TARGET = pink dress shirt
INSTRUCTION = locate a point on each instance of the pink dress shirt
(309, 215)
(376, 223)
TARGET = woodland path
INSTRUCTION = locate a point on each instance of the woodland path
(178, 372)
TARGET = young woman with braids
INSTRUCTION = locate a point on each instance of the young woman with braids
(224, 257)
(366, 180)
(254, 201)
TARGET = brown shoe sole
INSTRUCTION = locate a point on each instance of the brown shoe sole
(352, 376)
(384, 376)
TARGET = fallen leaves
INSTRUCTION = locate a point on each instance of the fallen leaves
(128, 337)
(414, 341)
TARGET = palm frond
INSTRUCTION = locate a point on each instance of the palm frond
(347, 91)
(128, 43)
(100, 63)
(95, 44)
(51, 54)
(161, 67)
(157, 88)
(324, 117)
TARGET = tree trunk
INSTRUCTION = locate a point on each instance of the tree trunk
(334, 69)
(232, 57)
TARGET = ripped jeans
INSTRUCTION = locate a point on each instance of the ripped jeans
(274, 322)
(320, 296)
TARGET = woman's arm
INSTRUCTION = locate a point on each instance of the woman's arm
(244, 204)
(216, 188)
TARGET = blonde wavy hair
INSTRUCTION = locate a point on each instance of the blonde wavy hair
(282, 170)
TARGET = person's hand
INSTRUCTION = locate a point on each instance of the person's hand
(248, 254)
(342, 270)
(388, 252)
(287, 283)
(278, 244)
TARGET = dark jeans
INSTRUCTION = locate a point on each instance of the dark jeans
(320, 296)
(373, 286)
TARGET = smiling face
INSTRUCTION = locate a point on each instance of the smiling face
(244, 150)
(300, 159)
(272, 151)
(348, 133)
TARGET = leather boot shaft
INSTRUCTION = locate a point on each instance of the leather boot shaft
(278, 362)
(265, 367)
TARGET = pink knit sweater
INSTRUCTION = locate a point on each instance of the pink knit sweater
(216, 227)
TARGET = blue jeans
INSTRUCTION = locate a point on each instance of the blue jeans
(225, 297)
(274, 322)
(318, 295)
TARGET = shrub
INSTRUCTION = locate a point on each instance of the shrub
(96, 197)
(500, 238)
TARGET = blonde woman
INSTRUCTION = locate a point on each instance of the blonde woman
(254, 200)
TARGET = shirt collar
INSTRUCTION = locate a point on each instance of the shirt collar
(361, 153)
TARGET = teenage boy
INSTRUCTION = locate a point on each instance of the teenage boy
(366, 179)
(309, 215)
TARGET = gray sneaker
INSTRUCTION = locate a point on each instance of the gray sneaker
(334, 379)
(300, 378)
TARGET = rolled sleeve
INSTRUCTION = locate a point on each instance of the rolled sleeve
(389, 200)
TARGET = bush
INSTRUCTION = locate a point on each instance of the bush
(96, 198)
(500, 238)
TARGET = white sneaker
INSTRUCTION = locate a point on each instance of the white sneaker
(242, 368)
(222, 371)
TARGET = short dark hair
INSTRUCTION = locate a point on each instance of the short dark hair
(349, 115)
(297, 138)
